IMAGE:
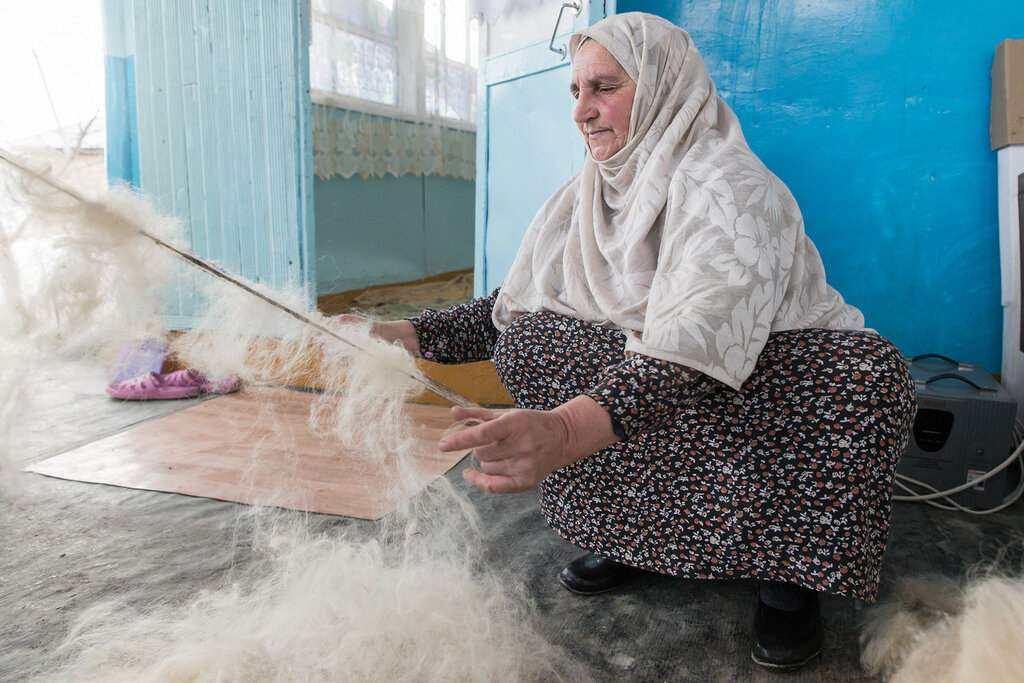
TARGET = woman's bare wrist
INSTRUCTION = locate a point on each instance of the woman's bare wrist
(390, 331)
(588, 427)
(401, 331)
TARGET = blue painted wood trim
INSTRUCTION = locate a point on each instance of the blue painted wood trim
(480, 229)
(306, 218)
(122, 121)
(599, 10)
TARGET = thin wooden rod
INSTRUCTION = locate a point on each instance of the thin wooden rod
(431, 385)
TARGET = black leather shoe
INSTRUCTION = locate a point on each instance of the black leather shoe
(592, 574)
(783, 640)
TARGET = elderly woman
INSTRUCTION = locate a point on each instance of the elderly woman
(692, 397)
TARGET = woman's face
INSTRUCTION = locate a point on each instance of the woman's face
(604, 99)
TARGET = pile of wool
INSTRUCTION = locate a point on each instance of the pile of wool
(409, 598)
(939, 629)
(76, 277)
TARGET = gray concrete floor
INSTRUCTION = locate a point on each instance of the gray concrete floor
(65, 546)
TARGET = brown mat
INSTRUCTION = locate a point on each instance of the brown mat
(254, 447)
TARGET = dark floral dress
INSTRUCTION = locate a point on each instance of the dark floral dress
(788, 479)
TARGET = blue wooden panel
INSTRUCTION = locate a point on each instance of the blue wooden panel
(876, 115)
(540, 150)
(224, 135)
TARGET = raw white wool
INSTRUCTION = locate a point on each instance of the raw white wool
(75, 279)
(326, 609)
(407, 599)
(937, 629)
(15, 403)
(78, 276)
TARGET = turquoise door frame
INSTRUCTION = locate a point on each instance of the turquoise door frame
(221, 132)
(527, 143)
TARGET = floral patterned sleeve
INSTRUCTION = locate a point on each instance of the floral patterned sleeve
(643, 393)
(461, 334)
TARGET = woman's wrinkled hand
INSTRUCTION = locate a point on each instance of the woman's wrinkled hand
(518, 448)
(391, 331)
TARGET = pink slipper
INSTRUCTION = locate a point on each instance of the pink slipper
(178, 384)
(222, 386)
(154, 386)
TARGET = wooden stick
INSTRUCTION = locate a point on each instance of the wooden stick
(431, 385)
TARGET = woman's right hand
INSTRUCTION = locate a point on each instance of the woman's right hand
(390, 331)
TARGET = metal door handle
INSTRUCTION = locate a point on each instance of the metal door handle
(563, 50)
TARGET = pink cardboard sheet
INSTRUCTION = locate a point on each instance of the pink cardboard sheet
(255, 447)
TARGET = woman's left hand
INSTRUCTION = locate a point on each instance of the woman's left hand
(518, 448)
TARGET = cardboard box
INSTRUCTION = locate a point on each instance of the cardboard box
(1007, 126)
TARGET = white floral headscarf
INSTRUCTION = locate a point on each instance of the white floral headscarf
(683, 238)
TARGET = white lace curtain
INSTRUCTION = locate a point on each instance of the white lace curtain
(348, 143)
(394, 85)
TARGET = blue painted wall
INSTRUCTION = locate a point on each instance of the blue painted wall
(876, 115)
(388, 228)
(372, 231)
